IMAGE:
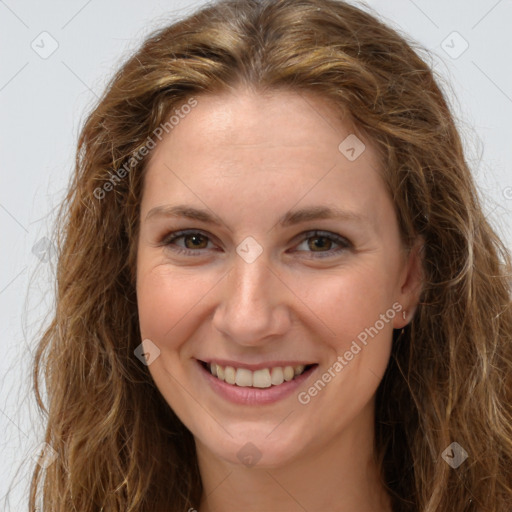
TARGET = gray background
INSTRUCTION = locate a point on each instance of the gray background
(43, 101)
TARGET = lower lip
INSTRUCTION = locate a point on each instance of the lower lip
(254, 396)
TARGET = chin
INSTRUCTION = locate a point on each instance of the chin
(255, 448)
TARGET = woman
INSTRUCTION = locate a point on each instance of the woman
(203, 355)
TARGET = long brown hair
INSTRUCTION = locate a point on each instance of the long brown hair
(120, 447)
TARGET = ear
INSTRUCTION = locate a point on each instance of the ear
(410, 284)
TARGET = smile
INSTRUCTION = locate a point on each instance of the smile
(262, 378)
(257, 385)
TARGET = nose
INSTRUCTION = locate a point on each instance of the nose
(252, 305)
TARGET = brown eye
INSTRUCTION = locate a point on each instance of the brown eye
(191, 242)
(196, 241)
(322, 242)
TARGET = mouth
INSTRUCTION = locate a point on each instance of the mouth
(262, 378)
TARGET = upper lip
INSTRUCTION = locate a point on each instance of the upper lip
(257, 366)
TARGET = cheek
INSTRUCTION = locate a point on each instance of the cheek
(358, 310)
(156, 304)
(351, 301)
(165, 302)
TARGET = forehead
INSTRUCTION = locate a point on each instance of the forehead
(243, 120)
(255, 151)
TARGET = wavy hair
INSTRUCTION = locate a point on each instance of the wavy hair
(450, 374)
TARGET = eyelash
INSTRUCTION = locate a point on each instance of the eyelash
(168, 240)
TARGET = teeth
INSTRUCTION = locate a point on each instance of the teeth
(229, 374)
(288, 373)
(276, 376)
(297, 370)
(243, 377)
(263, 378)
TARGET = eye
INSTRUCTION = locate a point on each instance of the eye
(193, 242)
(319, 243)
(322, 242)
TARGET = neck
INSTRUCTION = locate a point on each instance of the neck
(339, 475)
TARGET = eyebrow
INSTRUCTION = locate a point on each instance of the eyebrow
(288, 219)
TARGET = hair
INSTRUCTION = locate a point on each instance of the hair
(449, 377)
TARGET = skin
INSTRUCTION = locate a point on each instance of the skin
(248, 159)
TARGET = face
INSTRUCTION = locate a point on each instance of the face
(270, 275)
